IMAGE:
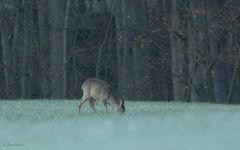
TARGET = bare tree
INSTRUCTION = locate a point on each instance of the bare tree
(125, 53)
(56, 22)
(178, 49)
(197, 47)
(133, 59)
(27, 56)
(6, 47)
(44, 46)
(65, 61)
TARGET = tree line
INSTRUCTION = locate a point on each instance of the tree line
(162, 50)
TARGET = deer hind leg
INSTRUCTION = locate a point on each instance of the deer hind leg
(91, 104)
(82, 101)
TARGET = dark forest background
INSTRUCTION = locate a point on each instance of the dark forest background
(163, 50)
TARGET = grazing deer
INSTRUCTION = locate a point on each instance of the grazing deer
(96, 89)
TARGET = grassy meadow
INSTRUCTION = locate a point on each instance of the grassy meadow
(55, 124)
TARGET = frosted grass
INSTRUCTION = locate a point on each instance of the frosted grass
(50, 125)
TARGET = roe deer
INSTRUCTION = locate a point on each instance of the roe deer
(96, 89)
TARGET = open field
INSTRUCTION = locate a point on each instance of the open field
(49, 125)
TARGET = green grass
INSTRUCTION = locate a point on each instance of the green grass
(45, 124)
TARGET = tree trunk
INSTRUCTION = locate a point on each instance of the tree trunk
(216, 37)
(119, 35)
(236, 41)
(234, 78)
(127, 68)
(178, 47)
(56, 20)
(65, 37)
(44, 46)
(27, 70)
(140, 50)
(197, 47)
(6, 49)
(135, 71)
